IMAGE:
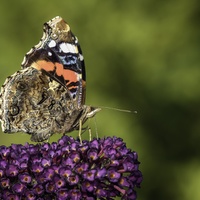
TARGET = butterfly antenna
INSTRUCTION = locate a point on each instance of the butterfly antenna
(118, 109)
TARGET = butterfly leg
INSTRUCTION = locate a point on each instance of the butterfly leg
(95, 122)
(90, 133)
(80, 131)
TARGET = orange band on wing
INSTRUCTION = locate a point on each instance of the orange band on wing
(42, 64)
(67, 74)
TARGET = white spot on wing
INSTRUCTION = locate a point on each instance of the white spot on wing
(49, 53)
(52, 43)
(81, 57)
(68, 48)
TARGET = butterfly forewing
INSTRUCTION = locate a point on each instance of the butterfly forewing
(59, 55)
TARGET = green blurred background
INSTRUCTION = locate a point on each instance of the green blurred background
(140, 55)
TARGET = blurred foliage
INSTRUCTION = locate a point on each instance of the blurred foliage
(140, 55)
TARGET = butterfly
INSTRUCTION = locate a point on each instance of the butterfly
(47, 95)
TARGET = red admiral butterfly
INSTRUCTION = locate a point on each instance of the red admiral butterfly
(47, 95)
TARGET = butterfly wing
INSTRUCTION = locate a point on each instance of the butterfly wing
(58, 54)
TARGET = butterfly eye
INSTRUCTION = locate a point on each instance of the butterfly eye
(22, 86)
(14, 110)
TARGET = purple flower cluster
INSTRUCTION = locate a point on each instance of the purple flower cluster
(97, 169)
